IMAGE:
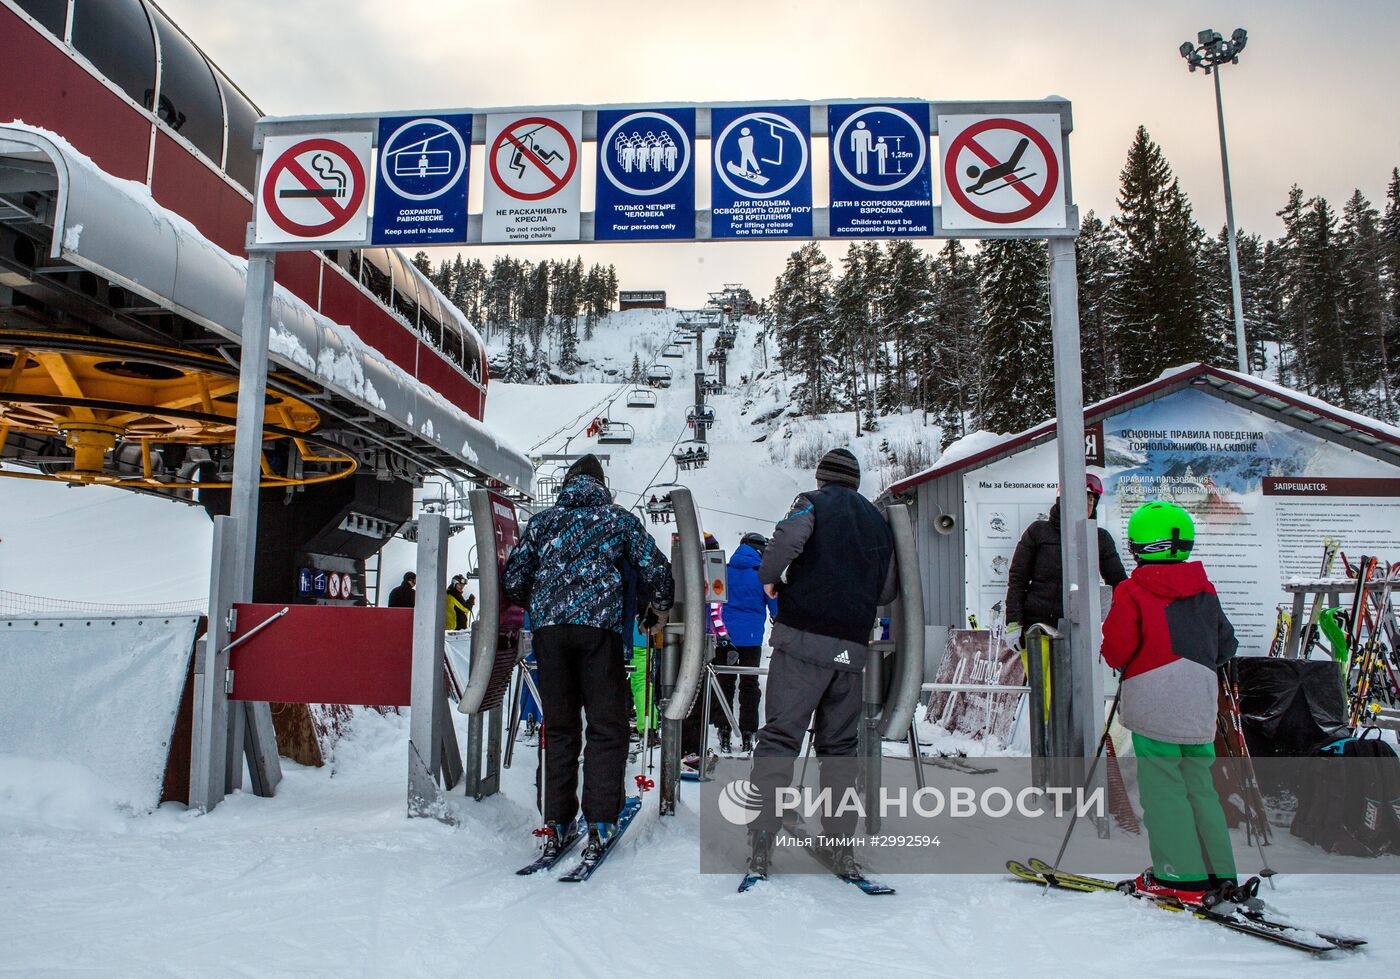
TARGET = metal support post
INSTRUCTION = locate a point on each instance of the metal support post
(429, 613)
(670, 729)
(1241, 354)
(209, 727)
(868, 734)
(1079, 535)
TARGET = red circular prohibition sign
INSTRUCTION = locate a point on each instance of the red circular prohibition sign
(557, 182)
(340, 214)
(1036, 203)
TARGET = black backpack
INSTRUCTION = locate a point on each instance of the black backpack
(1352, 809)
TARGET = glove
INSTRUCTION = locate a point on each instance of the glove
(726, 651)
(654, 618)
(1011, 635)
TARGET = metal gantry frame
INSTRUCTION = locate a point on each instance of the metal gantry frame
(685, 640)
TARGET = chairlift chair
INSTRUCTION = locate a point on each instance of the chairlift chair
(674, 351)
(656, 500)
(641, 398)
(659, 376)
(702, 415)
(616, 433)
(691, 455)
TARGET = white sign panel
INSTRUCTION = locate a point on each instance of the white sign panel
(1263, 496)
(1001, 172)
(532, 177)
(314, 188)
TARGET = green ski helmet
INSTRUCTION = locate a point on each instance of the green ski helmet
(1161, 532)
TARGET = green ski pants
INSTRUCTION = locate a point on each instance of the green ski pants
(638, 679)
(1186, 829)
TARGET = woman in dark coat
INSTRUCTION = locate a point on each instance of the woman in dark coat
(1033, 589)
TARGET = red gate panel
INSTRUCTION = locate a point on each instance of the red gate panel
(324, 654)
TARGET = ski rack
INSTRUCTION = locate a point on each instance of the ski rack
(1328, 591)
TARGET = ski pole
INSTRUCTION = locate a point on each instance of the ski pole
(1098, 753)
(1246, 775)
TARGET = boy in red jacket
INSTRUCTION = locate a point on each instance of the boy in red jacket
(1169, 636)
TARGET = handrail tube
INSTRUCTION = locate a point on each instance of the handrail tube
(906, 625)
(691, 586)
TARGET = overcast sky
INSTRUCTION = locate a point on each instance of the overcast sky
(1313, 100)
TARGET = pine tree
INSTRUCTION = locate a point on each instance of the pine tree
(1220, 297)
(1295, 368)
(956, 380)
(1320, 293)
(1363, 308)
(635, 374)
(801, 316)
(423, 263)
(1390, 260)
(1096, 260)
(1159, 294)
(1017, 348)
(850, 323)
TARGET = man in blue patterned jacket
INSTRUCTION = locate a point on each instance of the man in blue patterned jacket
(567, 572)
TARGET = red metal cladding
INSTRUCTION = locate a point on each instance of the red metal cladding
(183, 184)
(324, 654)
(42, 86)
(447, 380)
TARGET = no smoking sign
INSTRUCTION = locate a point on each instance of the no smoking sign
(314, 188)
(1001, 172)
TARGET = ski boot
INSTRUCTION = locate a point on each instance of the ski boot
(761, 853)
(1147, 885)
(746, 744)
(554, 837)
(690, 764)
(726, 743)
(843, 862)
(1226, 890)
(598, 836)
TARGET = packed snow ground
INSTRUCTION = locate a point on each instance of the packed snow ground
(330, 878)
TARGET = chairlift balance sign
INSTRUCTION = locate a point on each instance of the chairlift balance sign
(646, 175)
(532, 177)
(880, 175)
(762, 182)
(1001, 172)
(314, 188)
(420, 196)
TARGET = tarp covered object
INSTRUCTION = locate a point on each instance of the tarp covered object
(1290, 705)
(99, 693)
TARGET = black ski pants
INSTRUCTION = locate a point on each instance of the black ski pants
(748, 693)
(582, 673)
(798, 690)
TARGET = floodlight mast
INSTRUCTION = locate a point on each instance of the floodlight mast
(1210, 51)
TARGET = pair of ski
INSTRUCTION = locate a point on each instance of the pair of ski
(1242, 918)
(824, 856)
(585, 867)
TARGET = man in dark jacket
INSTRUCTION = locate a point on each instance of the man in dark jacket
(1033, 584)
(566, 571)
(832, 562)
(403, 594)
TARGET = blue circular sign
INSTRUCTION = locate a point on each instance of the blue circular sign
(880, 148)
(423, 159)
(761, 155)
(645, 153)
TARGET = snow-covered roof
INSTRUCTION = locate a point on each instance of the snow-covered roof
(115, 229)
(1376, 438)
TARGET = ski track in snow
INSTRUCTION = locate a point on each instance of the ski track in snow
(330, 879)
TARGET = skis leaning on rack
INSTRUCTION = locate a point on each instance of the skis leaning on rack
(1241, 918)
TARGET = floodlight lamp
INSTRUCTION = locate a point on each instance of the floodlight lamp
(1187, 49)
(1239, 38)
(1207, 37)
